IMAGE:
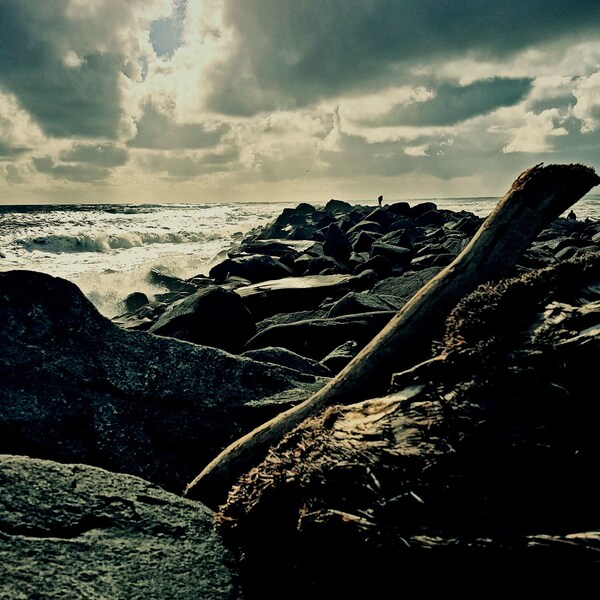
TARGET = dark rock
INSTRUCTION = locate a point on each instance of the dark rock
(325, 221)
(399, 208)
(370, 226)
(339, 357)
(135, 300)
(317, 265)
(379, 264)
(317, 337)
(201, 281)
(234, 282)
(337, 206)
(430, 218)
(211, 317)
(405, 286)
(357, 258)
(537, 258)
(170, 297)
(315, 249)
(431, 260)
(395, 254)
(469, 225)
(405, 237)
(420, 209)
(291, 317)
(303, 232)
(255, 268)
(359, 302)
(143, 318)
(455, 244)
(301, 263)
(173, 284)
(566, 253)
(76, 388)
(264, 268)
(286, 358)
(336, 244)
(364, 240)
(586, 251)
(304, 208)
(296, 293)
(75, 531)
(382, 216)
(426, 249)
(276, 248)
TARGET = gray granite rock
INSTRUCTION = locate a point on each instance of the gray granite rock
(77, 388)
(75, 531)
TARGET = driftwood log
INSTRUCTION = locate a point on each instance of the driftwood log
(537, 197)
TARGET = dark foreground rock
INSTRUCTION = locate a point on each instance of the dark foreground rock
(76, 388)
(210, 317)
(481, 460)
(74, 531)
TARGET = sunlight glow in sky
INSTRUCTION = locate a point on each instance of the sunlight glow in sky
(208, 100)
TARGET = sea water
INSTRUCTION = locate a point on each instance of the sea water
(108, 250)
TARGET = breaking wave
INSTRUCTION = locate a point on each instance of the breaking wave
(105, 242)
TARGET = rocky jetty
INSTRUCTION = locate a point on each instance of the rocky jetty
(481, 456)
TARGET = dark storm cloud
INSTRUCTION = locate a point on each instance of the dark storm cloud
(453, 104)
(293, 52)
(159, 132)
(188, 167)
(8, 151)
(77, 173)
(101, 155)
(358, 158)
(65, 100)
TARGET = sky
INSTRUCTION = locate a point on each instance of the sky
(291, 100)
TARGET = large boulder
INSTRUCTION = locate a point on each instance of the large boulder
(336, 244)
(405, 286)
(316, 338)
(335, 206)
(77, 388)
(360, 302)
(287, 358)
(296, 293)
(395, 254)
(75, 531)
(211, 317)
(255, 268)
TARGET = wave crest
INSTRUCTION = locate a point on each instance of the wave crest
(105, 242)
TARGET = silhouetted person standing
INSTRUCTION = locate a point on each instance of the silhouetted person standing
(380, 200)
(572, 215)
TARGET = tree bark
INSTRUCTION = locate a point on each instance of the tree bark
(537, 197)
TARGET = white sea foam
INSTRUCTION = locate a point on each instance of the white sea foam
(109, 250)
(105, 242)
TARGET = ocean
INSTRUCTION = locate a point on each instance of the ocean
(108, 250)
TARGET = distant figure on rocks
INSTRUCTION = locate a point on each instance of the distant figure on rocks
(572, 215)
(380, 200)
